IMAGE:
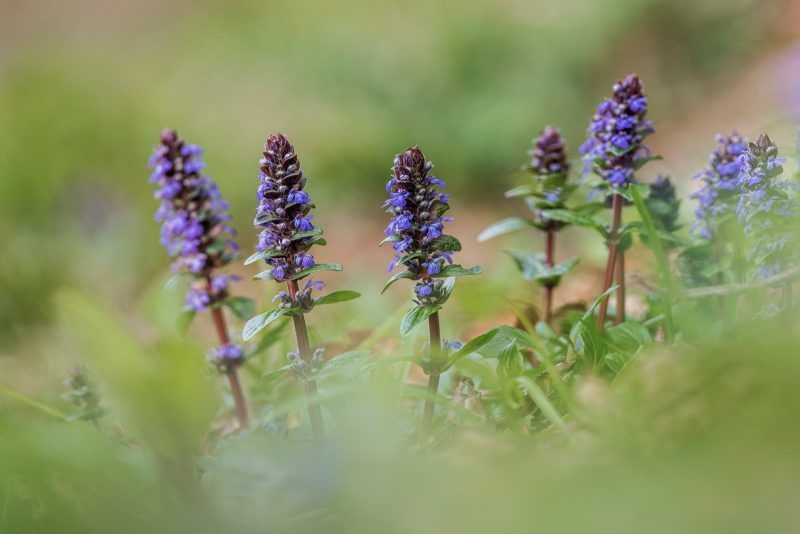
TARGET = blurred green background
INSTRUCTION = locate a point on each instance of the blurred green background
(86, 87)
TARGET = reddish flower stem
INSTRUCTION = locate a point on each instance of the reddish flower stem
(550, 246)
(231, 373)
(620, 274)
(304, 346)
(433, 378)
(616, 219)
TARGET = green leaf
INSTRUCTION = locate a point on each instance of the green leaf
(404, 275)
(639, 163)
(615, 361)
(259, 322)
(629, 336)
(447, 243)
(662, 263)
(505, 226)
(184, 320)
(265, 218)
(391, 239)
(310, 233)
(264, 275)
(627, 192)
(269, 253)
(316, 268)
(267, 381)
(570, 217)
(511, 363)
(473, 345)
(457, 270)
(217, 246)
(242, 307)
(344, 364)
(532, 266)
(338, 296)
(589, 208)
(522, 191)
(409, 257)
(591, 309)
(268, 340)
(540, 399)
(414, 317)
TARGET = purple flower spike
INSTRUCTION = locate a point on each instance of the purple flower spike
(287, 230)
(615, 148)
(549, 153)
(416, 229)
(717, 196)
(549, 168)
(193, 217)
(768, 208)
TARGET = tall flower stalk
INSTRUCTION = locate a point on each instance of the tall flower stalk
(615, 150)
(546, 197)
(550, 169)
(416, 207)
(284, 244)
(195, 231)
(768, 210)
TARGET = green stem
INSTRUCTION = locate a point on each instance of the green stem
(304, 346)
(662, 263)
(433, 378)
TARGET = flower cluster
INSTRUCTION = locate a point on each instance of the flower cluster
(549, 153)
(719, 190)
(302, 299)
(550, 168)
(615, 146)
(227, 356)
(768, 207)
(84, 395)
(416, 230)
(194, 219)
(305, 370)
(287, 232)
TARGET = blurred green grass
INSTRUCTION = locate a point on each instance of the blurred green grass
(696, 440)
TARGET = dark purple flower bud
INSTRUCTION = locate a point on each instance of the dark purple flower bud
(283, 210)
(193, 217)
(549, 153)
(768, 207)
(416, 229)
(663, 204)
(718, 194)
(615, 148)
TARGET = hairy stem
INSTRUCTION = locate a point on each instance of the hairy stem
(433, 378)
(233, 377)
(550, 247)
(304, 346)
(713, 291)
(616, 219)
(620, 274)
